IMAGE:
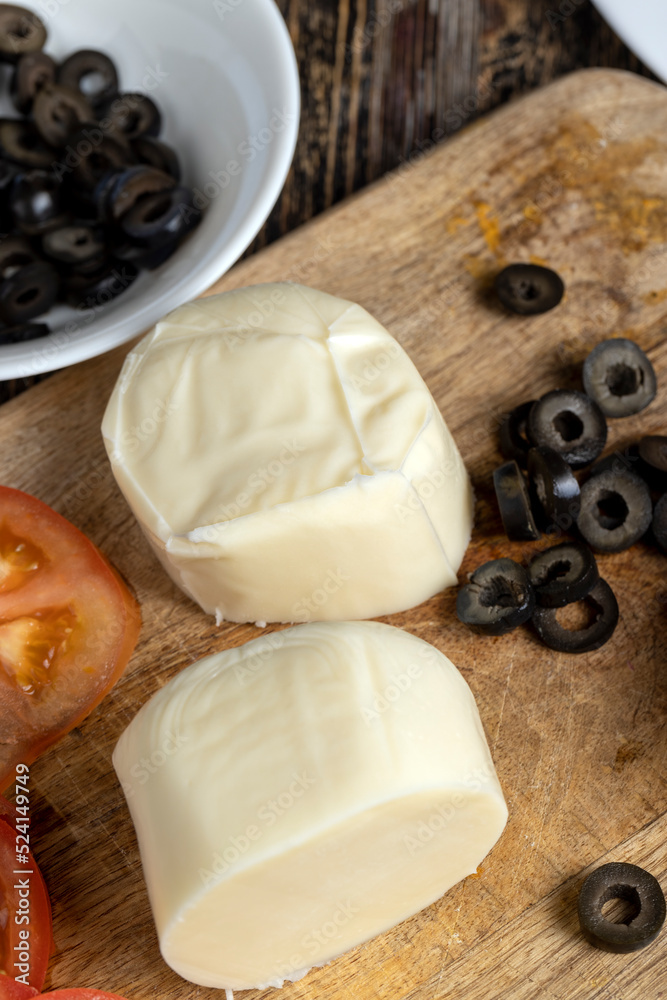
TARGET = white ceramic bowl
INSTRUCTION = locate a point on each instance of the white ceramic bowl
(642, 25)
(224, 75)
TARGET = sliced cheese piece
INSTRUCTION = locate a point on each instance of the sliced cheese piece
(302, 793)
(286, 460)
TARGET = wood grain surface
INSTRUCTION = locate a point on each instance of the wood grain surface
(384, 80)
(575, 176)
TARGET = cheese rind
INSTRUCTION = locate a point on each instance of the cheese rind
(303, 793)
(286, 460)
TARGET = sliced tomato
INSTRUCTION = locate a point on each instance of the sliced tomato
(10, 989)
(25, 915)
(68, 625)
(81, 993)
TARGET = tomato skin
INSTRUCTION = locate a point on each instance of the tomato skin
(68, 626)
(11, 990)
(80, 993)
(39, 926)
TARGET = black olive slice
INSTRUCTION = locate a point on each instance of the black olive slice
(90, 72)
(8, 172)
(22, 332)
(619, 377)
(659, 523)
(514, 503)
(601, 600)
(128, 187)
(644, 901)
(20, 31)
(157, 154)
(627, 460)
(162, 219)
(59, 113)
(615, 510)
(145, 259)
(563, 574)
(76, 244)
(555, 487)
(514, 441)
(529, 289)
(35, 202)
(95, 155)
(28, 293)
(498, 598)
(653, 449)
(94, 290)
(630, 460)
(15, 252)
(571, 424)
(22, 143)
(131, 115)
(32, 72)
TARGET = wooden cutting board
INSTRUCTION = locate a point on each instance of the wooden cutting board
(574, 176)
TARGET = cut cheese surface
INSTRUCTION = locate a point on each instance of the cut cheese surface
(302, 793)
(286, 460)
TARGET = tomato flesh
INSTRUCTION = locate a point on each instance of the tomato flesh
(25, 914)
(80, 993)
(10, 989)
(68, 626)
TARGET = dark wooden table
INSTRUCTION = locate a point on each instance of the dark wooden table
(383, 81)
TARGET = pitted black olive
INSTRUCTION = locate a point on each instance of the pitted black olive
(25, 331)
(659, 523)
(131, 115)
(85, 178)
(32, 72)
(92, 155)
(619, 377)
(94, 290)
(35, 201)
(161, 219)
(498, 598)
(529, 289)
(21, 142)
(514, 443)
(27, 293)
(601, 601)
(563, 574)
(59, 113)
(76, 245)
(157, 154)
(141, 257)
(514, 503)
(644, 903)
(555, 487)
(21, 31)
(15, 252)
(92, 73)
(627, 460)
(571, 424)
(8, 172)
(615, 510)
(126, 188)
(653, 450)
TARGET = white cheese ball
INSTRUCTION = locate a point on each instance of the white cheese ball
(300, 794)
(286, 460)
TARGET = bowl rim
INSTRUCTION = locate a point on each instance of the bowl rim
(57, 350)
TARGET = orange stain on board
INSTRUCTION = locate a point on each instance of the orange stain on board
(456, 223)
(488, 224)
(533, 213)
